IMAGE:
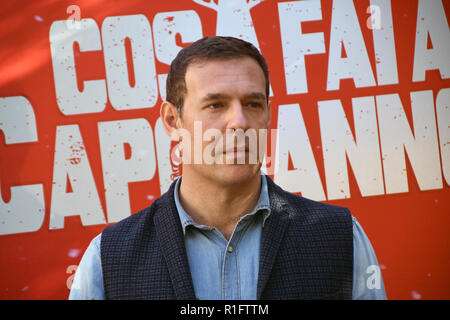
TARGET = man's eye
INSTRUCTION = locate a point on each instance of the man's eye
(215, 106)
(254, 105)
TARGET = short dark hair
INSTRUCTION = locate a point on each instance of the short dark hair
(208, 48)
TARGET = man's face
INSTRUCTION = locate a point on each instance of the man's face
(226, 95)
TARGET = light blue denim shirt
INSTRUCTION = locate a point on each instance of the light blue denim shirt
(222, 269)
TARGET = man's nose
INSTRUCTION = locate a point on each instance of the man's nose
(237, 118)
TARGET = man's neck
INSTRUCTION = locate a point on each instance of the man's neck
(216, 205)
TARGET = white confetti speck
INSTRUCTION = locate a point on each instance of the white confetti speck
(416, 295)
(73, 253)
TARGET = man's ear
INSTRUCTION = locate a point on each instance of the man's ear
(269, 116)
(170, 118)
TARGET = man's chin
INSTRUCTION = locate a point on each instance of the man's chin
(225, 174)
(237, 173)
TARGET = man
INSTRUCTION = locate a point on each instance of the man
(224, 231)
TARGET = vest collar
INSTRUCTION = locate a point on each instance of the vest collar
(167, 222)
(171, 240)
(272, 233)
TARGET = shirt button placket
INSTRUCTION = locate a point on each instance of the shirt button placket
(231, 274)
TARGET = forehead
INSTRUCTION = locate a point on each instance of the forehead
(208, 76)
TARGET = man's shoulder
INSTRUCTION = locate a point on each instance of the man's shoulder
(299, 205)
(317, 205)
(134, 225)
(313, 212)
(143, 218)
(131, 221)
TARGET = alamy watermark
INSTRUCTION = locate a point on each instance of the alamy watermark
(374, 280)
(214, 146)
(74, 20)
(374, 21)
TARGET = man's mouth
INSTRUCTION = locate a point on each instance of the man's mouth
(236, 150)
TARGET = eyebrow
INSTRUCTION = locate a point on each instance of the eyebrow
(216, 96)
(222, 96)
(256, 95)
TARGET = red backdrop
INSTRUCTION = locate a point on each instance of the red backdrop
(407, 220)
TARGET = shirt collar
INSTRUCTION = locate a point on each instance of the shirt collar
(262, 205)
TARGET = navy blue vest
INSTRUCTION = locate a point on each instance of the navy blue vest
(306, 252)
